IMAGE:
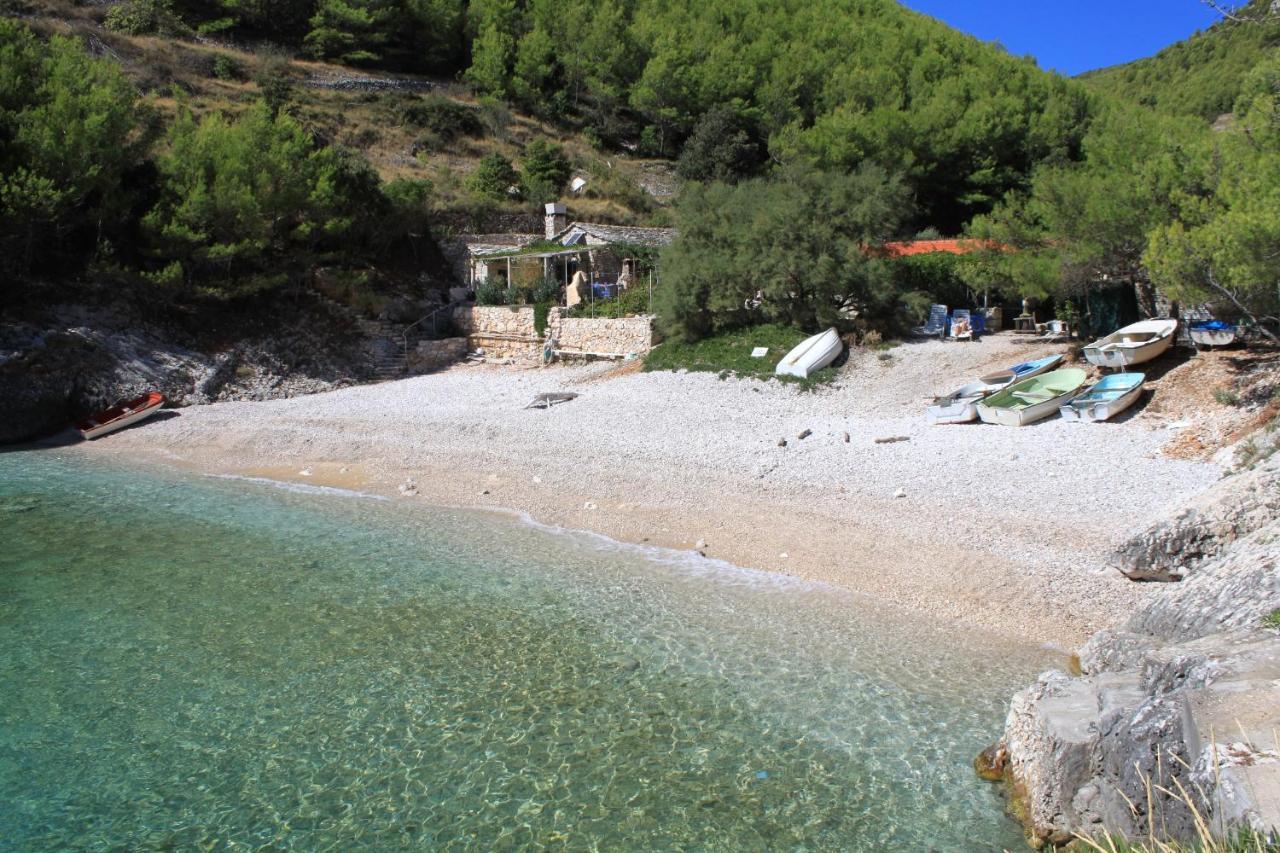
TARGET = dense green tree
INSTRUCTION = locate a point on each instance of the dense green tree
(545, 170)
(71, 131)
(1081, 225)
(354, 32)
(725, 146)
(1201, 76)
(792, 248)
(493, 177)
(1223, 246)
(250, 202)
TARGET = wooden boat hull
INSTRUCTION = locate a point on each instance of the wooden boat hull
(1032, 399)
(120, 416)
(1096, 404)
(811, 355)
(1133, 344)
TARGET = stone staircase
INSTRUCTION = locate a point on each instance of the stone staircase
(388, 343)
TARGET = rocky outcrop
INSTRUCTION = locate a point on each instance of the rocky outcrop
(1174, 714)
(1169, 551)
(72, 359)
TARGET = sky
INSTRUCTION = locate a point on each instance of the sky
(1071, 36)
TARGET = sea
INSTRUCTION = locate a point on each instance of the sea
(195, 662)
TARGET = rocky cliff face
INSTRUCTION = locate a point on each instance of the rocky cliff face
(1175, 713)
(65, 361)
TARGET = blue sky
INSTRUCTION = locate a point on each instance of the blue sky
(1072, 36)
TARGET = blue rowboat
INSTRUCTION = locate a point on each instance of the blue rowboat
(1034, 368)
(1105, 398)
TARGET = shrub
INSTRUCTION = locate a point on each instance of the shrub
(1272, 619)
(496, 117)
(492, 291)
(143, 17)
(1226, 396)
(275, 84)
(443, 118)
(493, 176)
(227, 67)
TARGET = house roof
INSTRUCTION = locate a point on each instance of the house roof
(616, 234)
(904, 248)
(481, 245)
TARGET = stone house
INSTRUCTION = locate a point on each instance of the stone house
(604, 255)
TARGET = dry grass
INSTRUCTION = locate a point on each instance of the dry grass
(369, 122)
(1206, 840)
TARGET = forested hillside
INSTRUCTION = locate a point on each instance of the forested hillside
(195, 146)
(1201, 76)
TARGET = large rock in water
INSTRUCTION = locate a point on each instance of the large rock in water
(1177, 708)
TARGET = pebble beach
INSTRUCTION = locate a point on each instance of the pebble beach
(1004, 529)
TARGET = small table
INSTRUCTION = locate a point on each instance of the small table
(1025, 324)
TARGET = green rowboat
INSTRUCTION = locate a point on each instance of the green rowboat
(1032, 399)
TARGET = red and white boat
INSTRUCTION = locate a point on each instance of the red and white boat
(121, 415)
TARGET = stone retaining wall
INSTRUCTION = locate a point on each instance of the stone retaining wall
(622, 336)
(434, 355)
(508, 334)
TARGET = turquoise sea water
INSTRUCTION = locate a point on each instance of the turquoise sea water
(196, 662)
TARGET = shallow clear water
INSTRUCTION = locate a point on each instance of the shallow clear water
(190, 661)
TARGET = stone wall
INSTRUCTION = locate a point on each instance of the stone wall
(508, 334)
(435, 355)
(622, 336)
(503, 333)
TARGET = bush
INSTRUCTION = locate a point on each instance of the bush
(144, 17)
(493, 176)
(446, 120)
(790, 249)
(275, 84)
(492, 291)
(227, 67)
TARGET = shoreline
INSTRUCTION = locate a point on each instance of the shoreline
(994, 529)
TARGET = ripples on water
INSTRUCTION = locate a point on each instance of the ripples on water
(187, 661)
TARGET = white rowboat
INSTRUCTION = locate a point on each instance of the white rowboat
(1213, 333)
(812, 354)
(961, 405)
(1133, 344)
(1109, 396)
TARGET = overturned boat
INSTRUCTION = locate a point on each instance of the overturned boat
(811, 355)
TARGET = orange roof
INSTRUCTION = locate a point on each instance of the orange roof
(903, 248)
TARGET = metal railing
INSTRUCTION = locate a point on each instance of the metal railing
(435, 327)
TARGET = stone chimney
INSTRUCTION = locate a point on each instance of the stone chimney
(557, 218)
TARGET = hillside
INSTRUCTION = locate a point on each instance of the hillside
(1201, 76)
(407, 126)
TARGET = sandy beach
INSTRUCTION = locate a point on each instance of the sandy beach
(1000, 528)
